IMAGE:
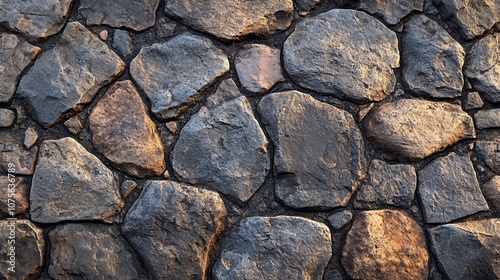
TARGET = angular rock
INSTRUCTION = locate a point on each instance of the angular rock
(37, 19)
(122, 42)
(258, 67)
(482, 66)
(340, 219)
(223, 147)
(173, 127)
(70, 75)
(71, 184)
(473, 101)
(74, 125)
(134, 14)
(127, 187)
(491, 190)
(431, 59)
(385, 244)
(487, 118)
(30, 137)
(124, 133)
(388, 184)
(391, 11)
(13, 152)
(468, 250)
(90, 251)
(347, 53)
(305, 6)
(174, 227)
(489, 152)
(407, 128)
(176, 73)
(319, 159)
(282, 247)
(20, 192)
(15, 55)
(165, 28)
(29, 250)
(449, 190)
(6, 117)
(241, 18)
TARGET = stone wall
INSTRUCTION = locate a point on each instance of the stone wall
(232, 139)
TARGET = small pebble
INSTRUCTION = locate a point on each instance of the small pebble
(104, 35)
(6, 117)
(30, 137)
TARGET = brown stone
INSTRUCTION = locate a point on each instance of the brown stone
(125, 134)
(74, 125)
(20, 194)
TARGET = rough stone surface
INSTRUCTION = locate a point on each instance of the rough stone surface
(12, 151)
(176, 73)
(102, 248)
(489, 152)
(487, 118)
(431, 59)
(491, 190)
(15, 55)
(127, 187)
(407, 128)
(347, 53)
(71, 184)
(29, 250)
(482, 66)
(69, 75)
(449, 190)
(124, 133)
(385, 244)
(20, 195)
(37, 19)
(388, 184)
(134, 14)
(174, 227)
(323, 174)
(266, 247)
(241, 18)
(389, 10)
(122, 42)
(258, 67)
(340, 219)
(30, 137)
(74, 125)
(6, 117)
(468, 250)
(223, 147)
(304, 6)
(473, 101)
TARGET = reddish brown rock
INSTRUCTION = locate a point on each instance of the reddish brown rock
(125, 134)
(20, 192)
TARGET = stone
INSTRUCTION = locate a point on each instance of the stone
(65, 78)
(487, 118)
(173, 127)
(127, 187)
(347, 54)
(36, 19)
(468, 250)
(258, 67)
(133, 14)
(13, 152)
(449, 190)
(364, 110)
(20, 192)
(74, 125)
(173, 227)
(103, 35)
(323, 175)
(388, 184)
(30, 137)
(407, 128)
(431, 59)
(489, 152)
(282, 247)
(471, 18)
(241, 18)
(90, 251)
(6, 117)
(125, 134)
(482, 66)
(223, 147)
(122, 42)
(340, 219)
(391, 11)
(71, 184)
(189, 64)
(473, 101)
(165, 28)
(491, 190)
(29, 249)
(15, 55)
(385, 244)
(305, 6)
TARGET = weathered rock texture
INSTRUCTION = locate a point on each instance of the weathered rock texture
(489, 153)
(487, 118)
(391, 11)
(491, 191)
(20, 190)
(13, 152)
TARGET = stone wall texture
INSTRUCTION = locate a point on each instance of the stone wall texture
(250, 139)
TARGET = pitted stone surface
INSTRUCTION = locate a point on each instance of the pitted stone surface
(391, 11)
(347, 54)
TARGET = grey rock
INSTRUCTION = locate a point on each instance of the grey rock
(74, 125)
(473, 101)
(6, 117)
(30, 137)
(487, 118)
(223, 147)
(489, 152)
(165, 28)
(175, 74)
(15, 55)
(134, 14)
(347, 54)
(240, 18)
(90, 251)
(29, 250)
(468, 250)
(340, 219)
(37, 19)
(305, 6)
(13, 152)
(127, 187)
(391, 11)
(122, 42)
(20, 191)
(482, 66)
(431, 59)
(174, 227)
(319, 175)
(388, 184)
(491, 190)
(449, 190)
(71, 184)
(69, 76)
(281, 247)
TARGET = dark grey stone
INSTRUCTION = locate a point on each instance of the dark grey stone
(489, 152)
(122, 42)
(473, 101)
(340, 219)
(487, 118)
(12, 151)
(127, 187)
(491, 191)
(391, 11)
